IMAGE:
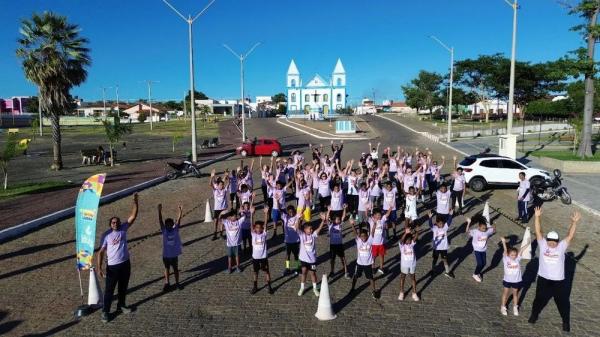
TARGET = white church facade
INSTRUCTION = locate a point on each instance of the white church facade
(319, 97)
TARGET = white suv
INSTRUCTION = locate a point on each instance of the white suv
(491, 169)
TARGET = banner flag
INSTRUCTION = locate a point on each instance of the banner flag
(86, 212)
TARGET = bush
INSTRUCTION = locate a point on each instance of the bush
(142, 116)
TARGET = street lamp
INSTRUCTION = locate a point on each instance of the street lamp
(508, 143)
(117, 94)
(104, 100)
(189, 20)
(451, 50)
(149, 84)
(242, 58)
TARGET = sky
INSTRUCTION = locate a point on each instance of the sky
(382, 43)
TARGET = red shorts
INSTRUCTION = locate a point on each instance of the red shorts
(378, 250)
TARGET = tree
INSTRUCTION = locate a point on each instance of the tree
(55, 58)
(173, 105)
(282, 109)
(423, 92)
(279, 98)
(10, 150)
(142, 116)
(32, 105)
(114, 132)
(197, 95)
(588, 11)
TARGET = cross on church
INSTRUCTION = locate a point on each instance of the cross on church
(315, 95)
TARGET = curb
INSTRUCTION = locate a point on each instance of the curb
(15, 231)
(321, 137)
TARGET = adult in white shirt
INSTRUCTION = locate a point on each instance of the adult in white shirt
(374, 151)
(551, 273)
(523, 197)
(459, 187)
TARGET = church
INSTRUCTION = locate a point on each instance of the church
(319, 97)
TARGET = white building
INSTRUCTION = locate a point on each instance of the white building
(135, 110)
(263, 99)
(492, 106)
(319, 96)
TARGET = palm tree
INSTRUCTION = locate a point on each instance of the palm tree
(54, 58)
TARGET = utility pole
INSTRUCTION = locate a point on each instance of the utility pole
(118, 108)
(149, 83)
(451, 50)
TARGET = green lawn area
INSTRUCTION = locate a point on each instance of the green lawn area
(564, 155)
(31, 188)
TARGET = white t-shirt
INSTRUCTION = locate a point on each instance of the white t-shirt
(442, 202)
(380, 232)
(407, 255)
(323, 188)
(375, 188)
(220, 195)
(512, 269)
(410, 210)
(245, 196)
(480, 238)
(308, 247)
(232, 231)
(393, 165)
(459, 182)
(363, 200)
(524, 185)
(440, 237)
(278, 198)
(364, 255)
(259, 245)
(408, 181)
(303, 196)
(337, 201)
(352, 185)
(389, 198)
(552, 260)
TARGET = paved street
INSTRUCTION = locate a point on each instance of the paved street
(40, 288)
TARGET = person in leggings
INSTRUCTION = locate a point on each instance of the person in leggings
(114, 251)
(551, 273)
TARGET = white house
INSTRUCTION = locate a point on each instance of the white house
(401, 107)
(135, 110)
(319, 96)
(263, 99)
(493, 107)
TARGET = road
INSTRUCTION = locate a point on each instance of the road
(40, 286)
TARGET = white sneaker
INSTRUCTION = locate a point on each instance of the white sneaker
(380, 271)
(516, 310)
(316, 292)
(415, 297)
(301, 292)
(401, 296)
(477, 278)
(503, 311)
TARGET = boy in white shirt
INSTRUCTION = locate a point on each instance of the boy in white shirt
(523, 197)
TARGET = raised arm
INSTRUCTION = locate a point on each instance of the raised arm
(251, 166)
(179, 214)
(503, 239)
(134, 210)
(468, 225)
(575, 217)
(353, 224)
(539, 235)
(160, 218)
(324, 220)
(430, 218)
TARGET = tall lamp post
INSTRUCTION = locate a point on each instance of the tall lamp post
(508, 142)
(451, 50)
(242, 58)
(104, 100)
(189, 20)
(118, 108)
(149, 84)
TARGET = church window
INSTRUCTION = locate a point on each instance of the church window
(293, 82)
(325, 97)
(338, 97)
(339, 82)
(307, 98)
(294, 97)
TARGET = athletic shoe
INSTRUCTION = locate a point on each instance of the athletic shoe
(296, 273)
(214, 238)
(380, 271)
(516, 310)
(401, 296)
(415, 297)
(179, 286)
(285, 272)
(329, 276)
(124, 309)
(104, 317)
(271, 291)
(346, 276)
(301, 292)
(374, 294)
(166, 287)
(477, 278)
(253, 291)
(503, 311)
(316, 292)
(449, 275)
(238, 270)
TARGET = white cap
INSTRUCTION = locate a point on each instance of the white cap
(552, 236)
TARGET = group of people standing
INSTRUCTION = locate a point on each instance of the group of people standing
(377, 197)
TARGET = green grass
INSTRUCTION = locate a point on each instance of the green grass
(32, 188)
(564, 155)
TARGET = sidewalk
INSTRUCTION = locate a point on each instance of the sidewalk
(31, 206)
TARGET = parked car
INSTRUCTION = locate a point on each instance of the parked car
(260, 147)
(491, 169)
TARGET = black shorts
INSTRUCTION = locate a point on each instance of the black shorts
(360, 269)
(260, 264)
(170, 262)
(512, 285)
(246, 234)
(443, 253)
(336, 250)
(309, 266)
(217, 213)
(293, 248)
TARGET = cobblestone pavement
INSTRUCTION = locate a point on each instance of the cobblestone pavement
(40, 288)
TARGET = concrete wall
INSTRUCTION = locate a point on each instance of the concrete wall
(571, 166)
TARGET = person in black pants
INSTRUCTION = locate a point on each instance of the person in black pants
(118, 268)
(551, 273)
(336, 151)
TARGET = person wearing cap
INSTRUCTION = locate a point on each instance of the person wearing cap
(551, 272)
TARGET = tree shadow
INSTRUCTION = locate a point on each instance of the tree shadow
(338, 306)
(530, 273)
(54, 330)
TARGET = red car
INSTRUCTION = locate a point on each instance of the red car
(260, 147)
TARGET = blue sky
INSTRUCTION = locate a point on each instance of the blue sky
(382, 43)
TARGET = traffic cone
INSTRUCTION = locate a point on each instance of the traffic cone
(94, 290)
(526, 241)
(486, 213)
(325, 310)
(208, 214)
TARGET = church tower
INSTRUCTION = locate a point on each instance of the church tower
(338, 84)
(293, 87)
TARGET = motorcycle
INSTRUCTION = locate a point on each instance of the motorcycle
(182, 169)
(551, 189)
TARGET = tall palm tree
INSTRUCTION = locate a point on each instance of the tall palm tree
(54, 58)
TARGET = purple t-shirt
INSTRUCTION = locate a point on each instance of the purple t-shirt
(335, 234)
(171, 242)
(115, 243)
(259, 245)
(233, 229)
(289, 231)
(308, 247)
(364, 254)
